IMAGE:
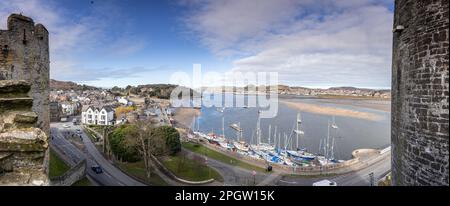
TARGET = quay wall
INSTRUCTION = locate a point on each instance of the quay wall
(361, 158)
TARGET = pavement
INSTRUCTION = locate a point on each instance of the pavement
(358, 178)
(111, 175)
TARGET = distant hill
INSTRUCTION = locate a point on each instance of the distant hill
(162, 91)
(68, 85)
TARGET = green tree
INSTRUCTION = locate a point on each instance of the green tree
(122, 145)
(171, 137)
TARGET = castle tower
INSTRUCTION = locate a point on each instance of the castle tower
(24, 97)
(25, 56)
(420, 84)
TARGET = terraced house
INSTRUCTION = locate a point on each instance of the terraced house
(97, 116)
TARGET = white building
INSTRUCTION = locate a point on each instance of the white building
(124, 101)
(97, 116)
(69, 108)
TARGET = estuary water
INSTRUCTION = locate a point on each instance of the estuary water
(353, 131)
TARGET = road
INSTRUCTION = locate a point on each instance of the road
(358, 178)
(111, 176)
(361, 177)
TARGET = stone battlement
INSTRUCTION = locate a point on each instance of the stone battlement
(24, 117)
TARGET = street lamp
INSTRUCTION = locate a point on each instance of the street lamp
(372, 179)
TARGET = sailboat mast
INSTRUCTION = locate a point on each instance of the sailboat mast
(270, 133)
(240, 132)
(258, 131)
(328, 139)
(298, 129)
(320, 145)
(223, 127)
(275, 137)
(279, 140)
(332, 149)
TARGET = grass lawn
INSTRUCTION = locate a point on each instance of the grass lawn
(190, 169)
(83, 182)
(197, 148)
(137, 169)
(57, 166)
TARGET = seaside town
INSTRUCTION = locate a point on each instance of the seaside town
(117, 106)
(364, 104)
(116, 109)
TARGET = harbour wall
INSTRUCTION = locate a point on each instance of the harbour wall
(362, 158)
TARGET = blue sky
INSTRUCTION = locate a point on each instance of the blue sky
(313, 43)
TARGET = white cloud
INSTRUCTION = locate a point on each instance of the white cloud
(74, 34)
(345, 42)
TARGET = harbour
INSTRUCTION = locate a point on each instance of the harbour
(293, 138)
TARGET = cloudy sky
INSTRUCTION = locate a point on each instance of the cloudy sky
(312, 43)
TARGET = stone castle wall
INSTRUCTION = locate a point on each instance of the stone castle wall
(24, 55)
(24, 96)
(420, 92)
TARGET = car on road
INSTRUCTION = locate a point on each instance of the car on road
(78, 131)
(97, 169)
(66, 126)
(325, 183)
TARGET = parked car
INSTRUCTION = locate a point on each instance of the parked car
(325, 183)
(97, 169)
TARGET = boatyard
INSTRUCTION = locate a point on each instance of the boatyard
(282, 152)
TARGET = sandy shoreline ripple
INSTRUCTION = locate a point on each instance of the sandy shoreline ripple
(332, 111)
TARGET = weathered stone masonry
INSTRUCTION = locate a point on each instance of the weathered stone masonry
(24, 117)
(25, 56)
(420, 93)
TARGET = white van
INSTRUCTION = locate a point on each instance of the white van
(325, 183)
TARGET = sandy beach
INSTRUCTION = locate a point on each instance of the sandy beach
(185, 116)
(382, 105)
(312, 108)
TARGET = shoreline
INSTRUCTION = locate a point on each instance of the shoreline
(185, 115)
(331, 111)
